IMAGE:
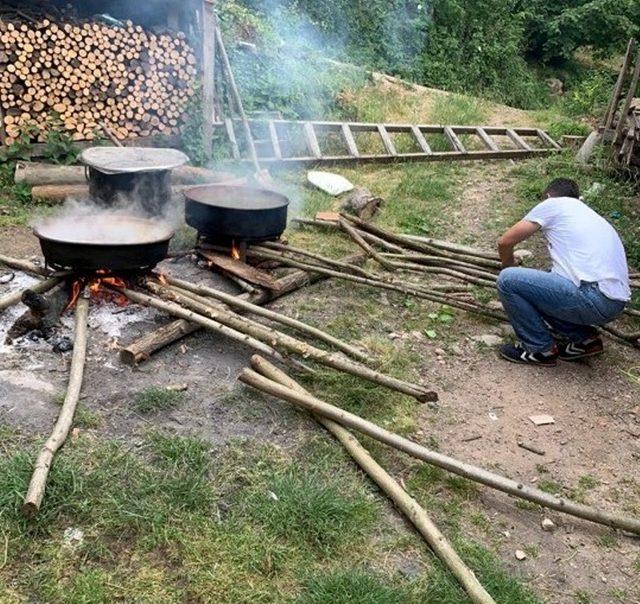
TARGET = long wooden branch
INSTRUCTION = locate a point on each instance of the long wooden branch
(23, 265)
(435, 458)
(349, 230)
(142, 348)
(38, 483)
(279, 340)
(37, 288)
(202, 321)
(415, 513)
(237, 302)
(389, 284)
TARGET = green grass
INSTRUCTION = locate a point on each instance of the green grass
(459, 110)
(154, 399)
(304, 508)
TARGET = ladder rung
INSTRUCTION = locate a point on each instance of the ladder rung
(454, 140)
(275, 143)
(518, 140)
(311, 139)
(231, 135)
(487, 140)
(386, 140)
(420, 139)
(350, 140)
(544, 137)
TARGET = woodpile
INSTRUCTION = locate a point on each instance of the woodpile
(75, 77)
(621, 122)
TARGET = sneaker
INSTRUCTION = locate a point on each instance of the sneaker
(517, 354)
(572, 351)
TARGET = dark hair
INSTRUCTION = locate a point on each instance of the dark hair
(562, 187)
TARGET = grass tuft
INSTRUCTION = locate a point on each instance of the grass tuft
(153, 399)
(305, 508)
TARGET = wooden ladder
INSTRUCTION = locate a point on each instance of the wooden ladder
(306, 142)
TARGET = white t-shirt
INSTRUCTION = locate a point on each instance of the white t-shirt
(583, 245)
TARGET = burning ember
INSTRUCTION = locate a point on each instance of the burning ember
(235, 251)
(97, 284)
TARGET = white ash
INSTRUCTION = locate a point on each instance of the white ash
(112, 320)
(8, 317)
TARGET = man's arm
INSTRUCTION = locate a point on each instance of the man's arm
(518, 232)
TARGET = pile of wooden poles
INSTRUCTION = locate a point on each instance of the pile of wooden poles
(80, 75)
(270, 380)
(460, 268)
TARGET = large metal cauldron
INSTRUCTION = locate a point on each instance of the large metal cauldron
(226, 212)
(111, 242)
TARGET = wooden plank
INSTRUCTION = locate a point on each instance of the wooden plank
(544, 137)
(420, 139)
(275, 142)
(240, 269)
(350, 140)
(627, 102)
(311, 139)
(454, 140)
(386, 140)
(617, 90)
(231, 135)
(518, 140)
(208, 73)
(486, 139)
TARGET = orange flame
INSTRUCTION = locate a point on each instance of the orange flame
(97, 290)
(162, 278)
(235, 252)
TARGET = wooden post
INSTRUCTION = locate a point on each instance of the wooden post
(627, 101)
(617, 90)
(209, 24)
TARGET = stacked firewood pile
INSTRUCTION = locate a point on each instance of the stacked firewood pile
(78, 76)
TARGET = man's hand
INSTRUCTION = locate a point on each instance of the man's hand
(518, 232)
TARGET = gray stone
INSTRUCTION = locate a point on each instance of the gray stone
(488, 339)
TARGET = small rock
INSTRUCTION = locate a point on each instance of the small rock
(520, 555)
(548, 525)
(73, 537)
(522, 254)
(542, 419)
(440, 352)
(494, 305)
(488, 339)
(506, 331)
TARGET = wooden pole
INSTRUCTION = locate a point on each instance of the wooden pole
(349, 230)
(415, 513)
(237, 100)
(23, 265)
(628, 99)
(209, 26)
(37, 288)
(450, 464)
(615, 95)
(201, 320)
(141, 349)
(38, 483)
(237, 302)
(281, 340)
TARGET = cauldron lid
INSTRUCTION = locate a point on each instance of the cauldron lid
(122, 160)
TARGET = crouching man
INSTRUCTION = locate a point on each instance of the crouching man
(554, 313)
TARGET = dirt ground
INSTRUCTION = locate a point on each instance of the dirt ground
(592, 450)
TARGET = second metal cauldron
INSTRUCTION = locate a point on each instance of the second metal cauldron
(228, 212)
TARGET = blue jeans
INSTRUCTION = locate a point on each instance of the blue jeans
(540, 304)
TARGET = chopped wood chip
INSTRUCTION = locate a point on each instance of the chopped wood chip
(542, 419)
(328, 216)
